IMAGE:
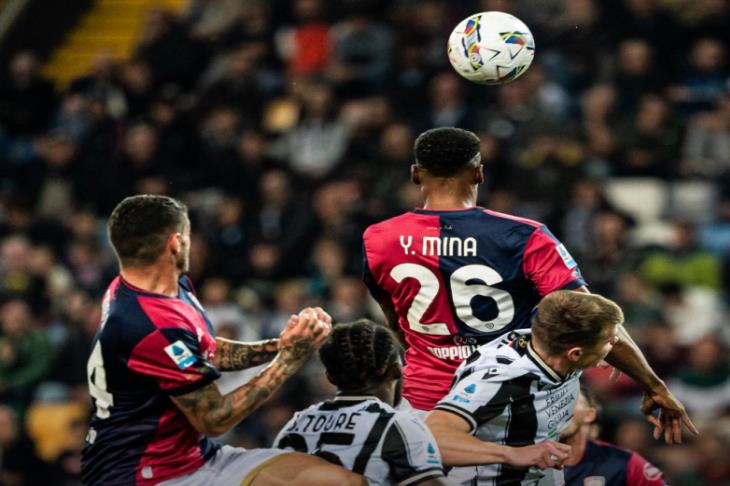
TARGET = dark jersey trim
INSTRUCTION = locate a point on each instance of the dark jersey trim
(182, 390)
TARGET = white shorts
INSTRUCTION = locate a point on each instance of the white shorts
(231, 466)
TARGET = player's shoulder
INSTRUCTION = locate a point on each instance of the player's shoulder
(388, 225)
(606, 449)
(511, 220)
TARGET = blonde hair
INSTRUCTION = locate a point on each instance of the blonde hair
(567, 318)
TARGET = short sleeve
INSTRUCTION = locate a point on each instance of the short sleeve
(477, 397)
(410, 450)
(641, 472)
(548, 264)
(378, 293)
(173, 359)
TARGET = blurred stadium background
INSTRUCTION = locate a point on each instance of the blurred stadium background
(287, 127)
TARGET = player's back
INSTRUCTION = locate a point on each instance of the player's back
(366, 436)
(458, 279)
(149, 346)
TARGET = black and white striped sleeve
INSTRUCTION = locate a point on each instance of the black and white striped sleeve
(477, 397)
(410, 450)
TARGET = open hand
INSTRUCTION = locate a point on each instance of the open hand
(671, 417)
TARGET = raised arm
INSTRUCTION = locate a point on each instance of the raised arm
(626, 356)
(236, 355)
(460, 448)
(213, 414)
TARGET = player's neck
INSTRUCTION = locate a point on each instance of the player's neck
(157, 279)
(577, 443)
(558, 364)
(445, 200)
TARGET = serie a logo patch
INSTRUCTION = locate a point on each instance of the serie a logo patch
(180, 354)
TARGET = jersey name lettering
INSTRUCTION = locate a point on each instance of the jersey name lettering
(441, 246)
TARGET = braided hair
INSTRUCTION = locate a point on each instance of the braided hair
(357, 355)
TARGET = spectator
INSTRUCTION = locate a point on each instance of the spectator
(26, 99)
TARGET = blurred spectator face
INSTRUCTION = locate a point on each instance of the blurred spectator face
(396, 142)
(221, 127)
(23, 68)
(230, 212)
(329, 257)
(251, 146)
(598, 102)
(290, 296)
(634, 57)
(105, 66)
(215, 291)
(446, 90)
(15, 318)
(499, 5)
(349, 292)
(198, 257)
(631, 288)
(653, 111)
(140, 144)
(609, 228)
(136, 76)
(431, 15)
(15, 254)
(307, 10)
(640, 8)
(708, 55)
(156, 24)
(8, 426)
(685, 235)
(514, 95)
(586, 194)
(332, 201)
(263, 258)
(318, 101)
(58, 150)
(706, 354)
(581, 12)
(240, 63)
(275, 187)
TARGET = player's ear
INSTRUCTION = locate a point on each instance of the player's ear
(174, 243)
(591, 415)
(415, 175)
(574, 354)
(479, 174)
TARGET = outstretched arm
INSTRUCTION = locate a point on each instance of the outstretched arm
(213, 414)
(628, 358)
(459, 448)
(236, 355)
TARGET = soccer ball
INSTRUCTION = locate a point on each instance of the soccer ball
(491, 48)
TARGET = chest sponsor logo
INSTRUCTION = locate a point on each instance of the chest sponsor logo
(180, 354)
(452, 352)
(594, 481)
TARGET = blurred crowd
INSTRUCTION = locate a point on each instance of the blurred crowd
(287, 127)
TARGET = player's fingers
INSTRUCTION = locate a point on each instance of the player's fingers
(322, 315)
(559, 449)
(688, 423)
(668, 434)
(653, 420)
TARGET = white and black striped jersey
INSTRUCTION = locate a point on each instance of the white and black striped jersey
(509, 396)
(366, 436)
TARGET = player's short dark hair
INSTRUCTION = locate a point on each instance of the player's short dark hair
(357, 355)
(140, 225)
(566, 318)
(446, 151)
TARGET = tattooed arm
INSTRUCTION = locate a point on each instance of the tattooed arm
(236, 355)
(213, 414)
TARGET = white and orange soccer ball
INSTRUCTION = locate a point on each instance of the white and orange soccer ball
(491, 48)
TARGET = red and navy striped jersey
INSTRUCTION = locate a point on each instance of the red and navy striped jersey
(605, 464)
(149, 347)
(458, 279)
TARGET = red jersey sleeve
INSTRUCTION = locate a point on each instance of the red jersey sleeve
(548, 264)
(641, 472)
(174, 359)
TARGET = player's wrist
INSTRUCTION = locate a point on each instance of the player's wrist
(505, 454)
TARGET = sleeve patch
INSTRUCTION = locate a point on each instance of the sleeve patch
(651, 472)
(180, 354)
(566, 256)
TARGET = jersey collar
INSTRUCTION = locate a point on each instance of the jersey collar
(354, 398)
(547, 370)
(446, 211)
